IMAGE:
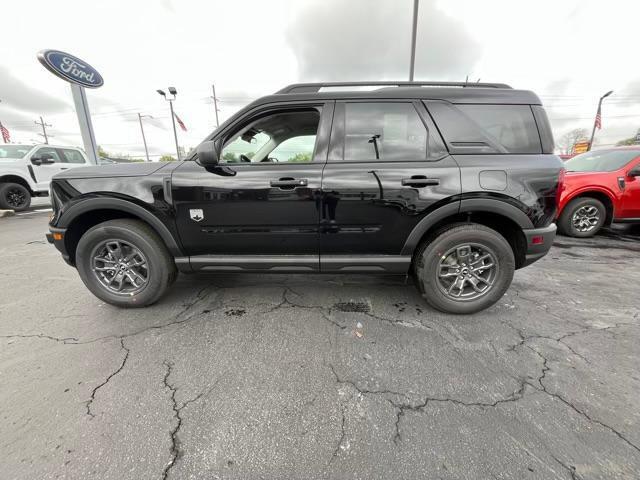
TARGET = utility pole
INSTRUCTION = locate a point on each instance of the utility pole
(598, 120)
(144, 140)
(413, 40)
(44, 129)
(215, 104)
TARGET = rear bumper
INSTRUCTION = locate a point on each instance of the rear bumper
(58, 242)
(539, 241)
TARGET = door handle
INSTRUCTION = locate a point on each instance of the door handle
(419, 181)
(63, 168)
(288, 182)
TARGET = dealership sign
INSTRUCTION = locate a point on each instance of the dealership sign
(70, 68)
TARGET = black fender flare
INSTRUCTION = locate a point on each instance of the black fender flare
(101, 203)
(488, 205)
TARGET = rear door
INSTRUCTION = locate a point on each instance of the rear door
(387, 167)
(263, 198)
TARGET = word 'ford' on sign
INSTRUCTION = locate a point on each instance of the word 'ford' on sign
(70, 68)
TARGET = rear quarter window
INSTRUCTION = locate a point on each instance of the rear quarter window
(481, 128)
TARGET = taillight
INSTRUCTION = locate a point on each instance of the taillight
(560, 187)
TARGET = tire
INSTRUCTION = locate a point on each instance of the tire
(14, 196)
(586, 205)
(439, 254)
(96, 261)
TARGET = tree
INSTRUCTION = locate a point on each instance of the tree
(230, 157)
(167, 158)
(566, 142)
(627, 141)
(300, 158)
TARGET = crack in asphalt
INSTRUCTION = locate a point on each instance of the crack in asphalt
(89, 402)
(343, 435)
(175, 450)
(65, 340)
(569, 468)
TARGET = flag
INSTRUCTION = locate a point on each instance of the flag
(5, 134)
(598, 123)
(180, 122)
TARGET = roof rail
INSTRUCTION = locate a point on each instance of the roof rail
(315, 87)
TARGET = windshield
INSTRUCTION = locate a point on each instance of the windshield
(600, 160)
(14, 151)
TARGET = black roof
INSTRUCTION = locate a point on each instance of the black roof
(450, 91)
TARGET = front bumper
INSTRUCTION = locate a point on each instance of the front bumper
(55, 236)
(539, 241)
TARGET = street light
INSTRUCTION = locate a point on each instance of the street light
(598, 114)
(144, 140)
(173, 92)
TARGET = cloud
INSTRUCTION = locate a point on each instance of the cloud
(362, 40)
(18, 95)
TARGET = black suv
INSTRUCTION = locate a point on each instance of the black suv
(453, 183)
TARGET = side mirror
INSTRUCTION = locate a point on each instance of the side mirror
(634, 172)
(208, 153)
(37, 161)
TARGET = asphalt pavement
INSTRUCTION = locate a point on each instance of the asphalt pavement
(292, 376)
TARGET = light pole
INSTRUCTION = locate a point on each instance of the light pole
(413, 40)
(144, 140)
(598, 118)
(173, 92)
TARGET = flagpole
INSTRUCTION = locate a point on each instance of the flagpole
(598, 113)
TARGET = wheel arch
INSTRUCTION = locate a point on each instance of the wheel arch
(82, 216)
(13, 178)
(602, 195)
(500, 216)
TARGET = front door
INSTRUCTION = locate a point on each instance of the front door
(263, 198)
(45, 171)
(631, 195)
(387, 168)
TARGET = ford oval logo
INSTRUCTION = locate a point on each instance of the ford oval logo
(70, 68)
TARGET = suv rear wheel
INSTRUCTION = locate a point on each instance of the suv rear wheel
(124, 263)
(14, 196)
(583, 217)
(464, 268)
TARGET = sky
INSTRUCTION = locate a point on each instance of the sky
(569, 52)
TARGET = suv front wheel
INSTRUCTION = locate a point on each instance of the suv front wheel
(464, 268)
(124, 262)
(583, 217)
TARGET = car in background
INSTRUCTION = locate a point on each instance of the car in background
(600, 187)
(26, 171)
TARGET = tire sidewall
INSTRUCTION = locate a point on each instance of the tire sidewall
(4, 190)
(569, 211)
(432, 255)
(158, 272)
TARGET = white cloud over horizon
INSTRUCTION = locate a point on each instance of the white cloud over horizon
(568, 52)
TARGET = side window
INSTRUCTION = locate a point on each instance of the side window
(281, 137)
(481, 128)
(50, 151)
(72, 156)
(383, 131)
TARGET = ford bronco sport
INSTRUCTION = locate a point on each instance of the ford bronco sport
(453, 183)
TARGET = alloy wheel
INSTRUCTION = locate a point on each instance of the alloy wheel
(16, 198)
(120, 267)
(585, 218)
(467, 272)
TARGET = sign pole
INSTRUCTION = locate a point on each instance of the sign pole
(84, 120)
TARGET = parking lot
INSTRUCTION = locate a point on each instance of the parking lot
(321, 376)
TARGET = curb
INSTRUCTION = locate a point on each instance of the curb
(7, 213)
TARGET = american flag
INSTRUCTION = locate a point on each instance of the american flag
(180, 122)
(598, 123)
(5, 134)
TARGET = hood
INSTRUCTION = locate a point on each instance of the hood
(138, 169)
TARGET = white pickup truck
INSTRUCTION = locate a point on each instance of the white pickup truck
(26, 171)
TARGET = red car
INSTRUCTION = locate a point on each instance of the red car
(600, 187)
